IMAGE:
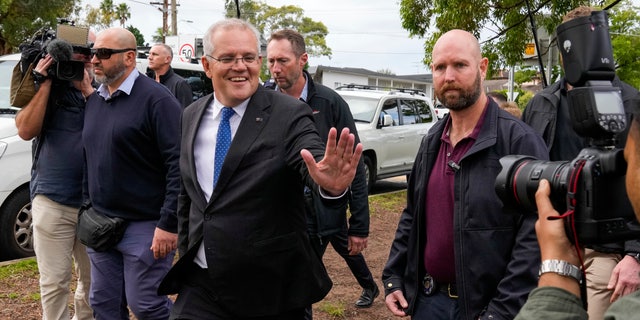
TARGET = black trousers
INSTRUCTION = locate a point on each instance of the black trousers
(196, 302)
(356, 263)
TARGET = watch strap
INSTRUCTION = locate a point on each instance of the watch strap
(560, 267)
(635, 255)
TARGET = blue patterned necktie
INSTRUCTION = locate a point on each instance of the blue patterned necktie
(223, 141)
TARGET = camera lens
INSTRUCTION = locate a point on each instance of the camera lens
(517, 183)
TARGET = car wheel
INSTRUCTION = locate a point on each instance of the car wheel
(16, 234)
(370, 172)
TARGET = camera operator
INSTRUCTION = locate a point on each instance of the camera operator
(612, 269)
(54, 117)
(558, 296)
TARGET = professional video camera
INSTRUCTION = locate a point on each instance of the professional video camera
(60, 44)
(591, 187)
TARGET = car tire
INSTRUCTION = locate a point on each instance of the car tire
(16, 234)
(370, 172)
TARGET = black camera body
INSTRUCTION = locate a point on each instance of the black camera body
(60, 44)
(592, 184)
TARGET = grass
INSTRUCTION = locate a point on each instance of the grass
(334, 309)
(25, 267)
(387, 202)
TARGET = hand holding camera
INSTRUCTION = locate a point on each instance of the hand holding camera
(554, 243)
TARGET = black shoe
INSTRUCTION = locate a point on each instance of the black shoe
(367, 297)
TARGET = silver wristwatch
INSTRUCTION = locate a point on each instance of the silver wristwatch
(560, 267)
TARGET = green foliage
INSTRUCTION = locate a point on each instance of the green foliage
(268, 19)
(523, 98)
(624, 26)
(526, 75)
(122, 13)
(106, 14)
(19, 20)
(511, 27)
(137, 34)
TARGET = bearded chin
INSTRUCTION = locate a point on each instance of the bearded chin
(466, 98)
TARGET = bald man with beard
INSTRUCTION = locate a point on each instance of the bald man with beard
(457, 254)
(131, 140)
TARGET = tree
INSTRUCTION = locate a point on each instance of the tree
(103, 16)
(137, 34)
(624, 27)
(19, 20)
(268, 19)
(507, 19)
(122, 13)
(158, 36)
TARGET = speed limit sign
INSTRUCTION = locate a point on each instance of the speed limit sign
(186, 52)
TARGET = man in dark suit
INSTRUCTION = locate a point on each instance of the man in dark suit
(245, 251)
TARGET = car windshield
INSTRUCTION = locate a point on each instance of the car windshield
(362, 109)
(6, 68)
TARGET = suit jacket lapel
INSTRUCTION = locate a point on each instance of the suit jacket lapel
(254, 120)
(191, 133)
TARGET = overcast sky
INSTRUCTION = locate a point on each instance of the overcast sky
(362, 33)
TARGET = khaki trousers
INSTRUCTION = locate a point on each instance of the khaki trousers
(599, 267)
(56, 247)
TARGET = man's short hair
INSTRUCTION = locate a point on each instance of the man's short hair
(295, 38)
(581, 11)
(167, 48)
(228, 24)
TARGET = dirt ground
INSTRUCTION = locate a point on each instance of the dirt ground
(20, 300)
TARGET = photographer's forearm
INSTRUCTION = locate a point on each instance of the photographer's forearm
(29, 119)
(551, 279)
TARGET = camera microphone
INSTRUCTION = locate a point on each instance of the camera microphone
(60, 50)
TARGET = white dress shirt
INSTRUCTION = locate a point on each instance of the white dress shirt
(204, 149)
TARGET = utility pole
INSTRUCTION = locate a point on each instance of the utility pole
(174, 18)
(165, 12)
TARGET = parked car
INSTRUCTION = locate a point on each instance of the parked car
(391, 123)
(441, 110)
(192, 72)
(16, 232)
(16, 239)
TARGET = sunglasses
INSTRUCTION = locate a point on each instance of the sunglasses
(105, 53)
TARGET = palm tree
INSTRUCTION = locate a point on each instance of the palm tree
(122, 13)
(107, 11)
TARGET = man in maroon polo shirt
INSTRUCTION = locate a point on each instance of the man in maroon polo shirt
(457, 253)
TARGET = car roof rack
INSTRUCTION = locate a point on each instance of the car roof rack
(353, 86)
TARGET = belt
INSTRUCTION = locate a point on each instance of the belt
(430, 287)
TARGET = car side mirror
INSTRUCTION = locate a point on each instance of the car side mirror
(387, 120)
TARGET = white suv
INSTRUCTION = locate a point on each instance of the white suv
(15, 163)
(391, 123)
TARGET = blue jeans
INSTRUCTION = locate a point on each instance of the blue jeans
(129, 275)
(436, 307)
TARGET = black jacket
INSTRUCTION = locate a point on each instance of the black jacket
(330, 110)
(177, 85)
(496, 251)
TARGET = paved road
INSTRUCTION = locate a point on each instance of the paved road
(388, 185)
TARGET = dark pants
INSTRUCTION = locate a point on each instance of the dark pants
(438, 306)
(356, 263)
(195, 301)
(128, 274)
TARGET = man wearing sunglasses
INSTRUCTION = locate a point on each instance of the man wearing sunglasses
(131, 140)
(54, 119)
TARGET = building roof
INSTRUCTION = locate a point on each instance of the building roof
(365, 72)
